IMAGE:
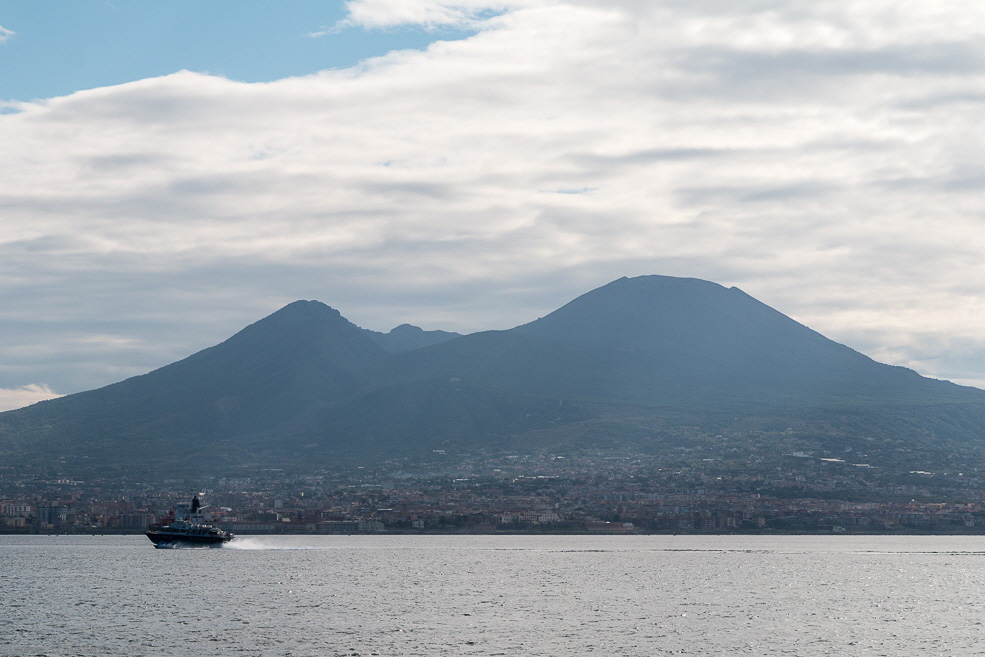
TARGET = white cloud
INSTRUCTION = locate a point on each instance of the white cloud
(5, 33)
(824, 157)
(377, 14)
(24, 396)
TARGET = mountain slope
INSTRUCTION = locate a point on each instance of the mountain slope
(703, 335)
(660, 351)
(615, 367)
(258, 383)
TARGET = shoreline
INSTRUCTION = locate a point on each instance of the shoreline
(888, 532)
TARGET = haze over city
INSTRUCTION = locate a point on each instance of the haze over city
(172, 173)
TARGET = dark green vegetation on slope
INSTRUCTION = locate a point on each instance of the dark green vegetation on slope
(623, 367)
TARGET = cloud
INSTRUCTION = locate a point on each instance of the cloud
(822, 157)
(381, 14)
(5, 33)
(24, 396)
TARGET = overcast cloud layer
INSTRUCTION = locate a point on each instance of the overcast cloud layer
(824, 157)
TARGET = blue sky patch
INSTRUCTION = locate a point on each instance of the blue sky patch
(48, 51)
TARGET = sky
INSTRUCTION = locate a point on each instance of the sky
(171, 172)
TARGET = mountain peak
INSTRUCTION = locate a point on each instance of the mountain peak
(646, 309)
(408, 337)
(305, 308)
(312, 324)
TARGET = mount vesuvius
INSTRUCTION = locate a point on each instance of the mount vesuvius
(636, 365)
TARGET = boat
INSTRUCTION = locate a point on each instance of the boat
(187, 527)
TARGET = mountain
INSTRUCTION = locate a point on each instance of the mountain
(640, 364)
(260, 382)
(683, 336)
(408, 338)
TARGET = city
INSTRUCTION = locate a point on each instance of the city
(698, 489)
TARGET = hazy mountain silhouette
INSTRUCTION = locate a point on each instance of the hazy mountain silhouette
(688, 335)
(408, 338)
(612, 369)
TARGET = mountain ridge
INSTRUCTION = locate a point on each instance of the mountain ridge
(620, 365)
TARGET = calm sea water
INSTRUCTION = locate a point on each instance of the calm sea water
(503, 595)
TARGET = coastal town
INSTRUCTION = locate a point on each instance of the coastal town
(691, 491)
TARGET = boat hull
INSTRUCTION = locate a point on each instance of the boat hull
(159, 537)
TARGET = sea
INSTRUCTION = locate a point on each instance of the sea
(433, 596)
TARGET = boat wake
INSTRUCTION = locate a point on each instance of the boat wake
(268, 543)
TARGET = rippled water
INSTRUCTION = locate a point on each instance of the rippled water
(502, 595)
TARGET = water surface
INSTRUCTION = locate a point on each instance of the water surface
(494, 595)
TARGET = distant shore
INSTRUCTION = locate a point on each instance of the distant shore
(905, 531)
